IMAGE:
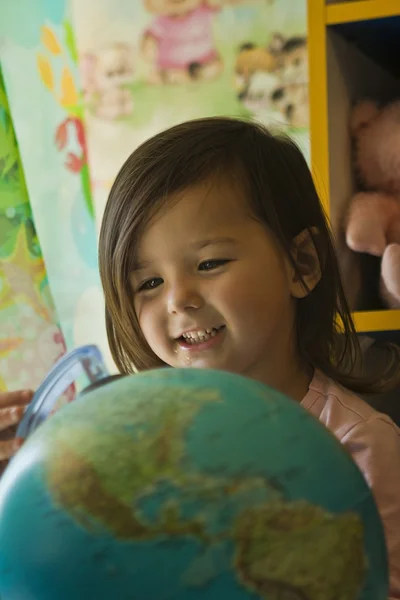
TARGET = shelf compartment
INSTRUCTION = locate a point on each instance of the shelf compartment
(351, 77)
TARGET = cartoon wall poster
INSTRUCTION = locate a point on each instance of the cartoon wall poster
(149, 64)
(41, 79)
(30, 338)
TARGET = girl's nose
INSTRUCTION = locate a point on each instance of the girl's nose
(183, 297)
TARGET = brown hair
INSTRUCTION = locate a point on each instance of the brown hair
(281, 194)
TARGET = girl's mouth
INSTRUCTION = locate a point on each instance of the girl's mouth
(201, 339)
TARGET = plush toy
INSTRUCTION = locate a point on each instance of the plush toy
(373, 218)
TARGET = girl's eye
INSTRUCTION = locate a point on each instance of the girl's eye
(150, 284)
(210, 265)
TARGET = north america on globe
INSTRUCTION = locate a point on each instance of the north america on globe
(159, 474)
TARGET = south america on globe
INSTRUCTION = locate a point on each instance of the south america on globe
(181, 484)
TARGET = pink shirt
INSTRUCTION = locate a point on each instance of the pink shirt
(374, 442)
(184, 40)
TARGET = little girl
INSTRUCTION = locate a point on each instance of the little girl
(215, 253)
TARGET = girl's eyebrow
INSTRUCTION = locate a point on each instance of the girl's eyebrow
(140, 265)
(213, 242)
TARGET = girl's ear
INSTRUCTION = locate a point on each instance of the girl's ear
(307, 273)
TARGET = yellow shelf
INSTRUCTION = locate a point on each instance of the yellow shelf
(380, 320)
(318, 99)
(362, 10)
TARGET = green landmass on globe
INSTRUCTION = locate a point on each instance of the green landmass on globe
(283, 549)
(104, 479)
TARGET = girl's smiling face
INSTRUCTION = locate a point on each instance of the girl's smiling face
(212, 288)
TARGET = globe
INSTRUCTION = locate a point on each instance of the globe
(187, 484)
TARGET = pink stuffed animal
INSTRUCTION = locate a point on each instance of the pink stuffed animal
(373, 219)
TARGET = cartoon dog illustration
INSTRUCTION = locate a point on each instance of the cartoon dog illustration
(104, 77)
(292, 96)
(253, 61)
(294, 60)
(293, 103)
(274, 80)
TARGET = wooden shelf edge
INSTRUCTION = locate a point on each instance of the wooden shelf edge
(380, 320)
(362, 10)
(318, 99)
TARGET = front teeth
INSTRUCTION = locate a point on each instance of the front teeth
(194, 337)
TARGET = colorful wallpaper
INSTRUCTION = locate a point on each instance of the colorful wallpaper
(39, 64)
(149, 64)
(30, 338)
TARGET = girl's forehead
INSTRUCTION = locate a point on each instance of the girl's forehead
(205, 203)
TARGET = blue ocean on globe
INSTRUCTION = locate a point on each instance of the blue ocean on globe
(185, 484)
